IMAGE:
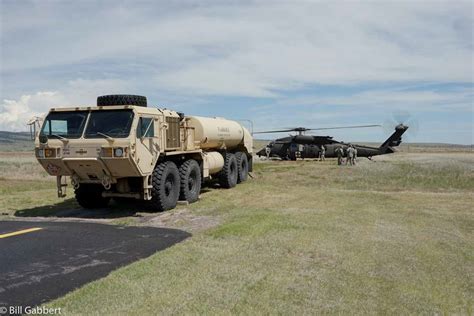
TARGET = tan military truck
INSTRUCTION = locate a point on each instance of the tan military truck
(123, 149)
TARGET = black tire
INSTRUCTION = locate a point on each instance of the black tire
(166, 182)
(243, 166)
(121, 99)
(229, 173)
(90, 196)
(190, 174)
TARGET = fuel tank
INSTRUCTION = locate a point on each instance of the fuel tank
(213, 162)
(216, 133)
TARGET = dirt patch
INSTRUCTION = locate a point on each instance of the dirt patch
(182, 219)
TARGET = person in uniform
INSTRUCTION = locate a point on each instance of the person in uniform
(268, 150)
(350, 155)
(300, 152)
(339, 153)
(355, 154)
(322, 153)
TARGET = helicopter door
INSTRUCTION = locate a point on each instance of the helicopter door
(147, 144)
(313, 151)
(292, 151)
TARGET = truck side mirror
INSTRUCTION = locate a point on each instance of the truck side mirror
(35, 124)
(32, 124)
(32, 131)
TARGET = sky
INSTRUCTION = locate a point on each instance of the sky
(276, 63)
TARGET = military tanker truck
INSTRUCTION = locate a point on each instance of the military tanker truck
(123, 149)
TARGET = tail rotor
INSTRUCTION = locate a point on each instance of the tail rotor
(403, 118)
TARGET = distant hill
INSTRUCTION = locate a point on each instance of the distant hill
(15, 141)
(20, 141)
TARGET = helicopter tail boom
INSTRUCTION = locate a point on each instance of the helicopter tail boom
(395, 139)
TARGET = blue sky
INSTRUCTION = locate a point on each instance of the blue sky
(278, 63)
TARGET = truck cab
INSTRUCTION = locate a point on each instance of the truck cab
(124, 149)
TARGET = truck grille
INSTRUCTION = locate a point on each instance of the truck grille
(172, 134)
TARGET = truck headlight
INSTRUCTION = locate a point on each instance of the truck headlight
(106, 152)
(47, 152)
(50, 152)
(118, 152)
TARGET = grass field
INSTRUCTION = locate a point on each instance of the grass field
(395, 236)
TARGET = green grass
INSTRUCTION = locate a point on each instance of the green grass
(391, 237)
(21, 166)
(25, 185)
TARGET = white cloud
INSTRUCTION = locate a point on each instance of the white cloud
(14, 114)
(254, 49)
(181, 56)
(419, 100)
(286, 46)
(424, 109)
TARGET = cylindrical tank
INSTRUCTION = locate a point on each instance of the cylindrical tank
(215, 133)
(214, 161)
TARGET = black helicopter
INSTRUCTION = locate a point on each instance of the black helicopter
(307, 146)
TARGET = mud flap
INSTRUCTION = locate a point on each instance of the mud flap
(61, 186)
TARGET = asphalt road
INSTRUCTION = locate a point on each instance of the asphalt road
(39, 265)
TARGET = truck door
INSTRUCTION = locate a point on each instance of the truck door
(147, 144)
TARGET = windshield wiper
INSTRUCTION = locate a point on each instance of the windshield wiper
(106, 136)
(60, 137)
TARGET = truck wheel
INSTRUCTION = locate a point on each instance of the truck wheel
(190, 174)
(243, 166)
(229, 174)
(121, 99)
(165, 191)
(90, 196)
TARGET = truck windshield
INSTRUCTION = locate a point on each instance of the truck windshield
(64, 124)
(112, 123)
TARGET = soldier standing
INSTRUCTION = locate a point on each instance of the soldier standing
(350, 155)
(268, 150)
(339, 153)
(300, 152)
(355, 154)
(322, 153)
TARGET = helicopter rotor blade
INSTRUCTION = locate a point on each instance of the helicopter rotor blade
(279, 131)
(304, 129)
(343, 127)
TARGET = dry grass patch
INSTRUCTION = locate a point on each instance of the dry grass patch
(309, 238)
(21, 166)
(388, 237)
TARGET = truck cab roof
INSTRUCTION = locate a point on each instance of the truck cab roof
(136, 109)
